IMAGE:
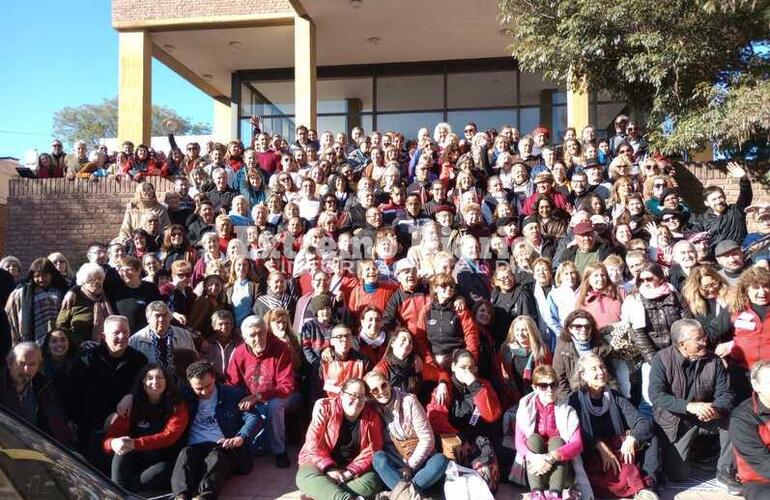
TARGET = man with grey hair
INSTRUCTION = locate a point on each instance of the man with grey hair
(103, 375)
(263, 366)
(691, 395)
(39, 404)
(750, 434)
(158, 340)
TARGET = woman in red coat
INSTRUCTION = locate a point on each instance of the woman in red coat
(344, 434)
(144, 441)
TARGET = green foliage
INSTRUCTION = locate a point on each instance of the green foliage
(91, 122)
(691, 62)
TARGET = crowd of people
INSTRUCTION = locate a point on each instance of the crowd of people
(434, 314)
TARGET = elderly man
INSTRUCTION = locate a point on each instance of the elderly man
(221, 195)
(750, 435)
(158, 340)
(103, 375)
(217, 439)
(262, 365)
(587, 250)
(39, 403)
(691, 394)
(684, 258)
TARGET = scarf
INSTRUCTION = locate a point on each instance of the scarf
(375, 342)
(164, 349)
(520, 352)
(656, 293)
(370, 287)
(102, 309)
(274, 302)
(588, 409)
(402, 373)
(582, 347)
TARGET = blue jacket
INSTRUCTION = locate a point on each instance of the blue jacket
(231, 420)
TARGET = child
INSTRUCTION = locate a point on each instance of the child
(316, 332)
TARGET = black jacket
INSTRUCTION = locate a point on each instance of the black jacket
(51, 416)
(507, 306)
(659, 315)
(731, 225)
(638, 426)
(745, 421)
(101, 382)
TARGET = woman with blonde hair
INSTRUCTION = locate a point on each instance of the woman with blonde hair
(60, 262)
(704, 295)
(563, 297)
(621, 188)
(522, 352)
(278, 322)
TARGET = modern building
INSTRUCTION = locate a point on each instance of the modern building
(335, 64)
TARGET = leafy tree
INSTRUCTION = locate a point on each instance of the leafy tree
(91, 122)
(701, 66)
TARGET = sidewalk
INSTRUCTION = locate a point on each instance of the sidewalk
(268, 482)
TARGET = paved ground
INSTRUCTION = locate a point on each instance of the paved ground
(268, 482)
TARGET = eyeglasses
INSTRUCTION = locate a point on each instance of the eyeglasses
(623, 151)
(184, 275)
(174, 235)
(647, 279)
(544, 386)
(659, 185)
(379, 389)
(354, 397)
(469, 130)
(580, 326)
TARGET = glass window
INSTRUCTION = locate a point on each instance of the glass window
(605, 116)
(559, 123)
(488, 89)
(530, 119)
(271, 98)
(403, 93)
(336, 95)
(333, 124)
(531, 86)
(483, 118)
(366, 123)
(408, 123)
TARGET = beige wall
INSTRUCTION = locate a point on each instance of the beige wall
(124, 11)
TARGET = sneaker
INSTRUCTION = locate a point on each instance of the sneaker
(728, 479)
(282, 460)
(645, 494)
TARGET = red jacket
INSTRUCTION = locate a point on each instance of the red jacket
(752, 338)
(324, 430)
(336, 373)
(270, 374)
(358, 299)
(485, 400)
(470, 332)
(560, 202)
(175, 427)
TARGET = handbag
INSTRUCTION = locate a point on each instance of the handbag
(618, 336)
(405, 447)
(449, 445)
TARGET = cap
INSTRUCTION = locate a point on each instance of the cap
(597, 219)
(541, 130)
(591, 164)
(674, 212)
(403, 265)
(529, 220)
(583, 229)
(543, 177)
(319, 302)
(725, 247)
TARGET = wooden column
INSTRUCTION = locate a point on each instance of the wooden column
(577, 109)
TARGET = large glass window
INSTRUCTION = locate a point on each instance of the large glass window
(483, 118)
(530, 118)
(481, 90)
(532, 87)
(408, 123)
(340, 95)
(414, 92)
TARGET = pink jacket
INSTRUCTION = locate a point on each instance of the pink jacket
(324, 430)
(604, 309)
(409, 420)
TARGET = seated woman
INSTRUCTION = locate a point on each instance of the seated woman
(408, 459)
(578, 337)
(522, 352)
(85, 306)
(344, 434)
(346, 362)
(144, 441)
(548, 442)
(614, 434)
(467, 409)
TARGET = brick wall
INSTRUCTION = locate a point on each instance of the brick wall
(136, 10)
(48, 215)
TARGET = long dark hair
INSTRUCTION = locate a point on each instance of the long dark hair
(142, 409)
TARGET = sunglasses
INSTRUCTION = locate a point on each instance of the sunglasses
(469, 130)
(623, 151)
(379, 389)
(340, 337)
(580, 326)
(659, 185)
(543, 386)
(648, 279)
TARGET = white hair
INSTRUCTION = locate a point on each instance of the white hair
(252, 321)
(88, 271)
(441, 126)
(21, 348)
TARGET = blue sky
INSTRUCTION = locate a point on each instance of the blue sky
(65, 53)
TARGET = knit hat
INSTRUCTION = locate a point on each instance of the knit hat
(320, 302)
(541, 130)
(668, 191)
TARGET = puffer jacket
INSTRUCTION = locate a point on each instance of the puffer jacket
(659, 315)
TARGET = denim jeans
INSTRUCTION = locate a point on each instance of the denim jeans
(274, 436)
(388, 466)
